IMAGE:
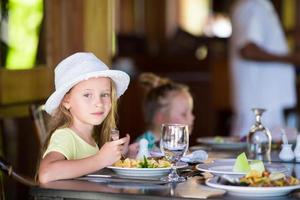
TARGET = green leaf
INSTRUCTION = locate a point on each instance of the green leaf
(145, 162)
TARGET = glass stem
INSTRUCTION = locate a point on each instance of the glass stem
(173, 173)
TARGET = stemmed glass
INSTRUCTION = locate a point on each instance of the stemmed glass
(259, 137)
(174, 143)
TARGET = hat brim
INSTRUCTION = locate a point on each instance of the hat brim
(121, 80)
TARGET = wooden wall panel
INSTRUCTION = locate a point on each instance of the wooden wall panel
(24, 86)
(64, 29)
(98, 28)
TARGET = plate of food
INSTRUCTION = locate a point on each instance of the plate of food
(144, 168)
(220, 142)
(240, 166)
(219, 168)
(256, 184)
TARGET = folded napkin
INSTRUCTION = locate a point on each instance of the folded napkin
(195, 157)
(156, 153)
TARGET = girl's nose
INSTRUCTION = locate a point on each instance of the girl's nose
(98, 102)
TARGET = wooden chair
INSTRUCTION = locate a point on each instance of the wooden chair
(40, 118)
(8, 170)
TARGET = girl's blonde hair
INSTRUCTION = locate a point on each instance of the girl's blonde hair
(101, 133)
(158, 94)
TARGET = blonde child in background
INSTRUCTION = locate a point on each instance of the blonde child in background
(165, 102)
(83, 109)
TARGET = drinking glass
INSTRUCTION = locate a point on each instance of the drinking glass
(174, 143)
(259, 137)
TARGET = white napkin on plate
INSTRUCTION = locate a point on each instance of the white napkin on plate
(195, 156)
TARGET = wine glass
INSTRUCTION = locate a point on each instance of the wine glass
(174, 143)
(259, 138)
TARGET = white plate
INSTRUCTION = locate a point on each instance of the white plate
(227, 143)
(227, 160)
(145, 172)
(219, 168)
(251, 191)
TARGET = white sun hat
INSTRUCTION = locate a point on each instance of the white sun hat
(78, 67)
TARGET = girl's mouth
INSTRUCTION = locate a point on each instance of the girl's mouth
(97, 113)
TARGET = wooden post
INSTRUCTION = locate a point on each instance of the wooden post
(98, 28)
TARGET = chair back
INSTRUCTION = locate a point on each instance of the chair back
(40, 118)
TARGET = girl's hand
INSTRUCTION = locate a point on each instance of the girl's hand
(111, 152)
(126, 145)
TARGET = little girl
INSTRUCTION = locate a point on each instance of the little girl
(83, 109)
(165, 102)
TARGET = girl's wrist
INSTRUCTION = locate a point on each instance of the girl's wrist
(100, 159)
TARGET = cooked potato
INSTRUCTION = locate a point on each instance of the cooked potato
(148, 163)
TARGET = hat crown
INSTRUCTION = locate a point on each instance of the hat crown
(79, 67)
(75, 66)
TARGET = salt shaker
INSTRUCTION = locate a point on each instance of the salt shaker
(297, 149)
(286, 153)
(143, 151)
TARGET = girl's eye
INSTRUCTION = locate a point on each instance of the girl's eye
(87, 95)
(105, 95)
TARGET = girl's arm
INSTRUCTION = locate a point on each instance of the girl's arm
(54, 166)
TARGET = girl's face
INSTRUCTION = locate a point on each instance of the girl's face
(89, 102)
(180, 110)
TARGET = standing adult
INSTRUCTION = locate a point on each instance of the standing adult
(261, 67)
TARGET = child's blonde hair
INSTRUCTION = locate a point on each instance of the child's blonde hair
(158, 94)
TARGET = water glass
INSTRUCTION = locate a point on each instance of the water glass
(174, 143)
(259, 137)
